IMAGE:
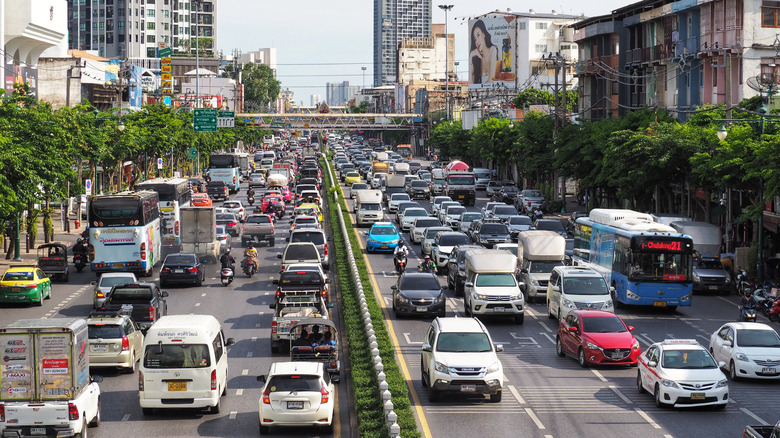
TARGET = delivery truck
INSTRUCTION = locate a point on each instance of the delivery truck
(199, 232)
(46, 386)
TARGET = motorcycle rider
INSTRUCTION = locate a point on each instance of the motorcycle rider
(427, 265)
(401, 253)
(250, 254)
(250, 194)
(80, 247)
(747, 300)
(227, 260)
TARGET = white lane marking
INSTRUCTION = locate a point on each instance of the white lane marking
(620, 394)
(126, 417)
(598, 374)
(240, 391)
(254, 338)
(388, 301)
(197, 304)
(549, 338)
(647, 418)
(244, 372)
(548, 436)
(544, 326)
(644, 338)
(409, 341)
(250, 354)
(705, 338)
(525, 340)
(755, 417)
(668, 436)
(258, 325)
(203, 294)
(535, 418)
(232, 415)
(516, 394)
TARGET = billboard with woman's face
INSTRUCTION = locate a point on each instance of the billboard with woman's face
(492, 51)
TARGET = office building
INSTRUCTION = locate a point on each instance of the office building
(339, 93)
(394, 21)
(265, 56)
(315, 99)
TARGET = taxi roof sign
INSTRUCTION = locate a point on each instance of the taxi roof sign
(680, 342)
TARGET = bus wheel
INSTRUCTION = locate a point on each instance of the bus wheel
(617, 304)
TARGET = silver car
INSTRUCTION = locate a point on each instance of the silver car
(409, 215)
(466, 219)
(395, 199)
(106, 281)
(530, 199)
(430, 234)
(224, 238)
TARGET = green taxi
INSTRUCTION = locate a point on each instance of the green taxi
(21, 284)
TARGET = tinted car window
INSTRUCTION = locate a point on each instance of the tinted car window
(505, 210)
(308, 236)
(520, 220)
(292, 278)
(602, 324)
(110, 281)
(493, 228)
(258, 220)
(421, 283)
(295, 383)
(104, 331)
(177, 356)
(463, 342)
(383, 231)
(453, 240)
(301, 252)
(419, 184)
(177, 259)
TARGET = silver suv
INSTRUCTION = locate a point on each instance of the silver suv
(458, 356)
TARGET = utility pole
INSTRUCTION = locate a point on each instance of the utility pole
(197, 65)
(446, 9)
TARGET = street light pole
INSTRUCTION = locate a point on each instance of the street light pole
(197, 53)
(364, 77)
(446, 9)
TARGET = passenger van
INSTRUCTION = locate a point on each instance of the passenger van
(184, 364)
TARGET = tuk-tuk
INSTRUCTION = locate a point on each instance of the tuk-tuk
(324, 349)
(53, 260)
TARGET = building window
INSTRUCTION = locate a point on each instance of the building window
(165, 13)
(541, 48)
(165, 26)
(150, 12)
(770, 14)
(121, 25)
(151, 52)
(521, 25)
(540, 26)
(150, 25)
(150, 39)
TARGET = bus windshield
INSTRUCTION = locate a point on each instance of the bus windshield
(660, 267)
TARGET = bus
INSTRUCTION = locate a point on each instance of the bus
(646, 263)
(124, 232)
(174, 194)
(225, 167)
(404, 150)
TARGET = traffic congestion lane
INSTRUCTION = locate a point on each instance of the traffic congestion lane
(546, 386)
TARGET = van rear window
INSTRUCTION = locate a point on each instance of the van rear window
(299, 383)
(177, 356)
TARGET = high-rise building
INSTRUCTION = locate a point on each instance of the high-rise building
(135, 29)
(339, 93)
(265, 56)
(315, 99)
(395, 20)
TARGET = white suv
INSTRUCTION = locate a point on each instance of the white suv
(576, 287)
(458, 356)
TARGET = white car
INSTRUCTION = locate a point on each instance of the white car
(224, 238)
(682, 373)
(104, 284)
(437, 200)
(409, 215)
(297, 394)
(576, 287)
(395, 199)
(237, 208)
(749, 350)
(417, 231)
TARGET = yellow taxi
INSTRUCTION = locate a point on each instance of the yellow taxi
(26, 283)
(351, 178)
(309, 209)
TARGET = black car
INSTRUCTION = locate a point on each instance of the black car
(551, 225)
(489, 232)
(418, 293)
(508, 194)
(218, 190)
(182, 268)
(456, 267)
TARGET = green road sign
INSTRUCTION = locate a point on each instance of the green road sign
(205, 120)
(193, 153)
(165, 53)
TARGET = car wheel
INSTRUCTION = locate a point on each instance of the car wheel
(133, 365)
(639, 388)
(422, 376)
(466, 309)
(216, 408)
(657, 395)
(581, 358)
(271, 242)
(733, 371)
(496, 398)
(84, 429)
(96, 421)
(39, 303)
(48, 294)
(559, 347)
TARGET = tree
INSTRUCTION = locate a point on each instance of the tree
(261, 87)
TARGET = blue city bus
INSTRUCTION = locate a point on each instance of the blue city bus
(646, 263)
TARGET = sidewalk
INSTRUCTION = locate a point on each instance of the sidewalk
(60, 236)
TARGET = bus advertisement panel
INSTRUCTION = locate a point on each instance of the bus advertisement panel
(124, 232)
(647, 263)
(174, 194)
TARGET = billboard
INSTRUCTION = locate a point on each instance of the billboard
(492, 49)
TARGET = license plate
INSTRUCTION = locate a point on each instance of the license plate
(461, 196)
(177, 386)
(178, 271)
(294, 405)
(713, 287)
(697, 396)
(498, 309)
(617, 356)
(384, 247)
(99, 347)
(118, 265)
(422, 309)
(37, 431)
(659, 304)
(768, 370)
(468, 388)
(16, 289)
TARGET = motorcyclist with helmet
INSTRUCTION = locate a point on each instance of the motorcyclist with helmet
(227, 260)
(427, 265)
(400, 254)
(748, 301)
(80, 247)
(250, 254)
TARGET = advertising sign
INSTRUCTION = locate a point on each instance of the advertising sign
(16, 367)
(492, 49)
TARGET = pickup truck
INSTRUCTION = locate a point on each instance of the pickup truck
(256, 228)
(764, 431)
(218, 190)
(147, 300)
(294, 306)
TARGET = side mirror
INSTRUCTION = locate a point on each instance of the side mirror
(261, 379)
(612, 289)
(721, 364)
(96, 379)
(164, 294)
(653, 364)
(631, 328)
(556, 288)
(499, 348)
(205, 261)
(272, 306)
(287, 239)
(327, 280)
(394, 287)
(468, 284)
(329, 305)
(92, 283)
(426, 347)
(278, 256)
(230, 341)
(728, 343)
(573, 329)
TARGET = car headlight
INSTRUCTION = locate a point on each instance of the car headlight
(722, 384)
(533, 282)
(669, 383)
(515, 297)
(696, 277)
(607, 304)
(493, 368)
(440, 367)
(592, 346)
(567, 303)
(402, 299)
(728, 279)
(636, 345)
(440, 299)
(743, 357)
(480, 297)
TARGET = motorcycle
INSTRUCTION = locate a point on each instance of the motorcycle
(748, 314)
(774, 314)
(226, 275)
(80, 260)
(250, 267)
(743, 282)
(278, 210)
(400, 263)
(251, 199)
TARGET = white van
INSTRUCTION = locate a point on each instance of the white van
(368, 207)
(184, 364)
(576, 287)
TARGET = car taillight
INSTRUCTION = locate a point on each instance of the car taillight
(100, 294)
(176, 228)
(151, 313)
(165, 271)
(214, 379)
(232, 224)
(140, 381)
(278, 293)
(325, 293)
(266, 396)
(125, 344)
(325, 395)
(31, 286)
(143, 250)
(193, 269)
(73, 412)
(326, 249)
(273, 326)
(234, 180)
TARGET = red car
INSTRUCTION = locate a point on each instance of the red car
(597, 337)
(269, 200)
(286, 193)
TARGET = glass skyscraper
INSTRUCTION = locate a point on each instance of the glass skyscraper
(395, 20)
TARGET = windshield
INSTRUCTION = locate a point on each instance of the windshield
(687, 359)
(660, 267)
(496, 280)
(177, 356)
(709, 264)
(542, 267)
(231, 205)
(104, 331)
(593, 285)
(383, 231)
(493, 229)
(468, 217)
(430, 233)
(452, 240)
(419, 184)
(455, 211)
(371, 207)
(413, 212)
(603, 324)
(399, 197)
(758, 338)
(532, 194)
(301, 252)
(314, 237)
(258, 220)
(110, 281)
(296, 383)
(299, 278)
(505, 210)
(551, 225)
(415, 282)
(463, 343)
(461, 180)
(17, 276)
(179, 259)
(520, 220)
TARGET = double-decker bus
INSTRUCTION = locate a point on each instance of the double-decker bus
(124, 232)
(646, 263)
(225, 167)
(174, 194)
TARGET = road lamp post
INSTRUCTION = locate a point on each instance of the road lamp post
(446, 9)
(364, 77)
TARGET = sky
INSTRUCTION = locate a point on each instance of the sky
(318, 41)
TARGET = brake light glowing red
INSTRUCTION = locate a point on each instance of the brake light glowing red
(232, 224)
(193, 269)
(73, 412)
(326, 249)
(273, 327)
(2, 413)
(151, 313)
(143, 250)
(176, 228)
(266, 396)
(165, 271)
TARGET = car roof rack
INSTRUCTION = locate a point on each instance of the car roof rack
(125, 310)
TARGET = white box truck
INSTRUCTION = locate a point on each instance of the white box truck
(709, 275)
(368, 207)
(46, 386)
(539, 252)
(199, 232)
